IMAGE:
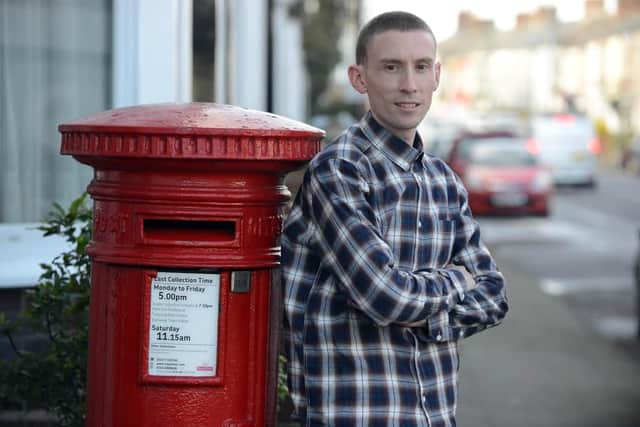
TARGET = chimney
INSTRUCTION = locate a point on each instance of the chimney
(546, 15)
(628, 7)
(594, 9)
(523, 20)
(467, 22)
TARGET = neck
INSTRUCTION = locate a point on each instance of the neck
(407, 136)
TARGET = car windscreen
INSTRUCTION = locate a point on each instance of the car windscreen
(467, 144)
(501, 154)
(563, 132)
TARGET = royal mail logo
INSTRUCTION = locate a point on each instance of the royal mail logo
(112, 223)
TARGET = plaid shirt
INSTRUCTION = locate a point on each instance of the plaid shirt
(374, 304)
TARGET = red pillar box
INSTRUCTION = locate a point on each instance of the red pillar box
(188, 206)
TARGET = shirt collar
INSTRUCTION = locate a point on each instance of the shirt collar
(396, 149)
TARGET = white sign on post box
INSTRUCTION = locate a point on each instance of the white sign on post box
(183, 324)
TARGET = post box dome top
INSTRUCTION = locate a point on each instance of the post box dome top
(189, 131)
(196, 118)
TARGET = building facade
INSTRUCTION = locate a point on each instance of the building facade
(545, 65)
(67, 59)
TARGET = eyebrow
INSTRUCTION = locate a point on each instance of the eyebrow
(398, 61)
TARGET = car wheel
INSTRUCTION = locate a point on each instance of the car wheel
(592, 184)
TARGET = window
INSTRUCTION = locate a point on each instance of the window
(55, 66)
(204, 43)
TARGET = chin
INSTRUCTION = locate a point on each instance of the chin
(413, 124)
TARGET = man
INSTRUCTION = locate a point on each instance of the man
(375, 300)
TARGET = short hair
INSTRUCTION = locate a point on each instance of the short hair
(388, 21)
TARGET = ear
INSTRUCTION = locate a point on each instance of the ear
(437, 76)
(356, 77)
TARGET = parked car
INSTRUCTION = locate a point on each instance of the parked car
(459, 148)
(631, 156)
(439, 135)
(568, 144)
(502, 175)
(636, 274)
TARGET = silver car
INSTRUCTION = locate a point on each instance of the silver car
(567, 143)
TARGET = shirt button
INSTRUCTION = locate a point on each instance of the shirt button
(420, 224)
(439, 337)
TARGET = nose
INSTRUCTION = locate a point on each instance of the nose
(408, 83)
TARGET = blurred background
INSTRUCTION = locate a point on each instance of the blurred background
(538, 111)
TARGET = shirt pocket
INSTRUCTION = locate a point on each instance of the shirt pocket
(444, 237)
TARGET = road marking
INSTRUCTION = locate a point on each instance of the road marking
(521, 230)
(559, 287)
(586, 236)
(617, 327)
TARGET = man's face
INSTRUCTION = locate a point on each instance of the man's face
(399, 77)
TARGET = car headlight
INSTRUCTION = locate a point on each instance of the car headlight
(473, 180)
(542, 182)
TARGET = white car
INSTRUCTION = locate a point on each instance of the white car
(568, 144)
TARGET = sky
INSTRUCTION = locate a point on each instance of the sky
(442, 15)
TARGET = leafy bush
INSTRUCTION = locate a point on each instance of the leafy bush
(55, 378)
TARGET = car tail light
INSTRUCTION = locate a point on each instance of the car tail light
(533, 147)
(595, 146)
(564, 118)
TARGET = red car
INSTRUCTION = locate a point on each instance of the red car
(502, 174)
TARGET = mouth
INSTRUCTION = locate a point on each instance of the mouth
(408, 106)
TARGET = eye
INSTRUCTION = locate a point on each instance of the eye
(423, 67)
(391, 67)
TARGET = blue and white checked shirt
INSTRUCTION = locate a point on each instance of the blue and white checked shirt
(373, 303)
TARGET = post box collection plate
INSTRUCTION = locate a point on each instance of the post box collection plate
(183, 324)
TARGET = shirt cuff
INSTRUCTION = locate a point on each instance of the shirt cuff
(458, 282)
(438, 329)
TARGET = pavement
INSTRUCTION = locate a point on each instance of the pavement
(545, 366)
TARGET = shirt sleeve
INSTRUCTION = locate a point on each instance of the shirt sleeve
(362, 262)
(485, 304)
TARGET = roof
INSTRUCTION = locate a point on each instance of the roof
(553, 34)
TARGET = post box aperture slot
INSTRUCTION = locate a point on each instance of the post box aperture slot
(179, 230)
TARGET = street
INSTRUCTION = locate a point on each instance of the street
(566, 355)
